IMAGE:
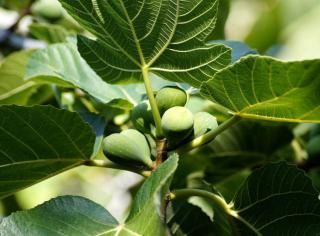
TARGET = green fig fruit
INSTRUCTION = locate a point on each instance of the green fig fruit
(177, 124)
(49, 9)
(142, 119)
(313, 148)
(170, 96)
(127, 147)
(203, 123)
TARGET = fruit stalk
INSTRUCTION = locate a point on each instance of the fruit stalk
(162, 152)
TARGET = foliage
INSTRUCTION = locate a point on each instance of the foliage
(153, 87)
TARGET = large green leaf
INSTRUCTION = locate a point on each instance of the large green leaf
(164, 37)
(78, 216)
(267, 89)
(278, 199)
(13, 89)
(39, 142)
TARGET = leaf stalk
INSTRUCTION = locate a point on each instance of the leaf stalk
(208, 137)
(214, 198)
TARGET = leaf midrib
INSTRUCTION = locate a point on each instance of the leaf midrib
(17, 90)
(110, 37)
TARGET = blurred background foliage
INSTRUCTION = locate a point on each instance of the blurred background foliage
(286, 29)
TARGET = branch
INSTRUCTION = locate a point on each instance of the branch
(111, 165)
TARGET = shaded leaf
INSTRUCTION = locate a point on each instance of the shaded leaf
(268, 89)
(39, 142)
(186, 219)
(279, 199)
(163, 37)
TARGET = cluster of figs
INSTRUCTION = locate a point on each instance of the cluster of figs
(179, 125)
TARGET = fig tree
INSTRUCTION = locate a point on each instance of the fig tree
(203, 123)
(177, 124)
(141, 117)
(127, 147)
(170, 96)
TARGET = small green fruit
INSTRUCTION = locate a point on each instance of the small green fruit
(313, 148)
(177, 124)
(170, 96)
(203, 123)
(142, 119)
(49, 9)
(128, 147)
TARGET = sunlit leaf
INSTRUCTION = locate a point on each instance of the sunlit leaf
(268, 89)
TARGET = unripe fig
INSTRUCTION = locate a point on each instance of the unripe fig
(177, 124)
(170, 96)
(127, 147)
(49, 9)
(203, 123)
(142, 119)
(313, 148)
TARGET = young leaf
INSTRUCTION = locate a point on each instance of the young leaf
(164, 37)
(78, 216)
(13, 89)
(39, 142)
(267, 89)
(278, 199)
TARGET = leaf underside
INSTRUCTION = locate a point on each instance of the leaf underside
(166, 37)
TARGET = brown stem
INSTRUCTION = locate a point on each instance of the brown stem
(164, 207)
(162, 151)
